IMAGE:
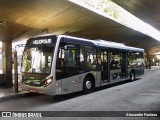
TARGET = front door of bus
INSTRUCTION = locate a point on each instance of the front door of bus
(104, 66)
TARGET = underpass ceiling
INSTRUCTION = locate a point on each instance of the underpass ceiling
(146, 10)
(27, 18)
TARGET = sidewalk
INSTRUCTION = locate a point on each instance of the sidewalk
(153, 68)
(8, 93)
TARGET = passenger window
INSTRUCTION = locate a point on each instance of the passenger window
(70, 56)
(115, 61)
(87, 57)
(67, 55)
(135, 59)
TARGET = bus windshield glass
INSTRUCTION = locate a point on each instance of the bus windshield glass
(38, 58)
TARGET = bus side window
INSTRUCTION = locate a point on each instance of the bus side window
(60, 57)
(70, 57)
(67, 55)
(89, 57)
(115, 59)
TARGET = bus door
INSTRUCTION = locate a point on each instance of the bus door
(104, 65)
(123, 65)
(67, 63)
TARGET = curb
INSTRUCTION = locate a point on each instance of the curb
(14, 95)
(148, 70)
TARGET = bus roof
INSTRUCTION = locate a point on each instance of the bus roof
(108, 44)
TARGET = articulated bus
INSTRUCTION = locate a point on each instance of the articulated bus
(60, 64)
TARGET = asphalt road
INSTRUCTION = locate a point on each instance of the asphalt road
(140, 95)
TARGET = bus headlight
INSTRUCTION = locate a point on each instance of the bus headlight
(48, 82)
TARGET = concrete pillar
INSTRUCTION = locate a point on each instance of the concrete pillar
(148, 56)
(7, 63)
(148, 62)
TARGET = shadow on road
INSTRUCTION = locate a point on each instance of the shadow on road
(116, 84)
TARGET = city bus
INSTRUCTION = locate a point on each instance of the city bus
(60, 64)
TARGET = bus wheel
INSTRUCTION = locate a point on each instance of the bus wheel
(88, 85)
(132, 76)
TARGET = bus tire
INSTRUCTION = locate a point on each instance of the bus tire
(88, 85)
(132, 76)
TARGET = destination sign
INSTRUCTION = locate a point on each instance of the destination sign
(42, 41)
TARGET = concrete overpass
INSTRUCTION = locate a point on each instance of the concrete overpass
(21, 19)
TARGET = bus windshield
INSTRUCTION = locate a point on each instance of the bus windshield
(37, 59)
